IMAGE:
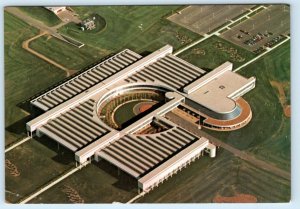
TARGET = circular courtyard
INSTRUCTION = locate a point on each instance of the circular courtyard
(122, 109)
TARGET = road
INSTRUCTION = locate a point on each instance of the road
(17, 144)
(25, 46)
(193, 128)
(52, 183)
(34, 22)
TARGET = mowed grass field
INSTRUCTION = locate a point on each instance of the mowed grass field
(121, 118)
(208, 56)
(225, 175)
(96, 183)
(42, 14)
(38, 161)
(268, 135)
(25, 74)
(67, 55)
(140, 28)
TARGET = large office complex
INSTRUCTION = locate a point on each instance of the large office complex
(82, 114)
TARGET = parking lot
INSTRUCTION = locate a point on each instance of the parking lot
(262, 29)
(204, 18)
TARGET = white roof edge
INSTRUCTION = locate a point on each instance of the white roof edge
(201, 143)
(227, 66)
(251, 81)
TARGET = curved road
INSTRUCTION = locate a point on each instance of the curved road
(43, 31)
(25, 46)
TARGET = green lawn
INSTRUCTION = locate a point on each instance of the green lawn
(208, 56)
(225, 175)
(96, 183)
(38, 162)
(140, 28)
(25, 74)
(275, 128)
(199, 182)
(268, 135)
(42, 14)
(121, 118)
(67, 55)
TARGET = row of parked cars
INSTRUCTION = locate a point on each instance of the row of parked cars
(257, 38)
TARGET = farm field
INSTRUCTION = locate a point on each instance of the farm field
(25, 75)
(214, 51)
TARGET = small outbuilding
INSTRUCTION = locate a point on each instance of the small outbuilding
(88, 24)
(56, 10)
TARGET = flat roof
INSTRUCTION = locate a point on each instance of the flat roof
(214, 92)
(55, 9)
(175, 161)
(138, 154)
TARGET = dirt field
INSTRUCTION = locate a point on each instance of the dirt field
(282, 98)
(214, 15)
(239, 198)
(12, 168)
(145, 107)
(275, 20)
(142, 107)
(72, 194)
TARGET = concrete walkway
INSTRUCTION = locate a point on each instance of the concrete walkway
(136, 197)
(17, 144)
(52, 183)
